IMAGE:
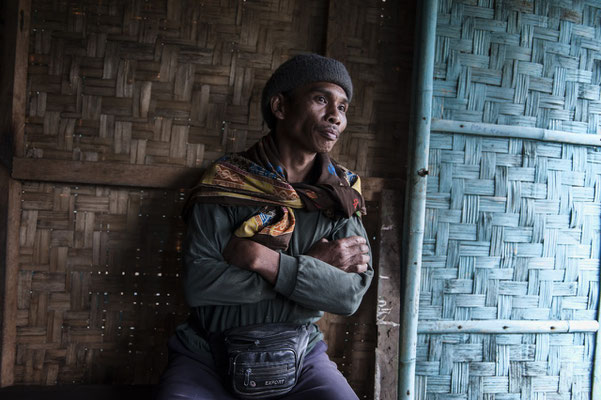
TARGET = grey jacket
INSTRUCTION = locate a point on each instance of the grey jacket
(223, 296)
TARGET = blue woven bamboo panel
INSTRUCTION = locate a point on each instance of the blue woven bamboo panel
(504, 367)
(512, 232)
(512, 226)
(528, 63)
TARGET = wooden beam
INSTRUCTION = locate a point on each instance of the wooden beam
(10, 204)
(150, 176)
(104, 173)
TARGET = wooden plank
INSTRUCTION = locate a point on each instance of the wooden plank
(10, 202)
(389, 292)
(104, 173)
(20, 79)
(13, 79)
(114, 174)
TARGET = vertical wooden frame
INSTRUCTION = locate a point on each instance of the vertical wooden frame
(16, 46)
(20, 77)
(11, 190)
(14, 78)
(389, 289)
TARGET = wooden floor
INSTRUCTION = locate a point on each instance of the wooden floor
(78, 392)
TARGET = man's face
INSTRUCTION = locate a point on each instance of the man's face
(314, 117)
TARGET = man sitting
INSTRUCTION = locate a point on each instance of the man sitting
(274, 236)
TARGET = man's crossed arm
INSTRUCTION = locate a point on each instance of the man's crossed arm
(349, 254)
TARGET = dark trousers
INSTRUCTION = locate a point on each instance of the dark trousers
(187, 378)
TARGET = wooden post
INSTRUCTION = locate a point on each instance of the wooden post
(13, 85)
(389, 290)
(13, 81)
(10, 201)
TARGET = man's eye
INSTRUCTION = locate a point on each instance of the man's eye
(321, 99)
(342, 108)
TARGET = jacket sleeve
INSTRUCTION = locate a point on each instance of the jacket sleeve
(321, 286)
(208, 279)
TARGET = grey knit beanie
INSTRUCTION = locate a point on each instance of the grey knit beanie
(298, 71)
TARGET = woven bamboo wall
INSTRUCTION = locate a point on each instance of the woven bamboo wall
(98, 283)
(168, 84)
(179, 82)
(512, 225)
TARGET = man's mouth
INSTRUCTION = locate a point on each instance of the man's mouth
(328, 133)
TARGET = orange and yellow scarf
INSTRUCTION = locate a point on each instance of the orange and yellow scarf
(256, 177)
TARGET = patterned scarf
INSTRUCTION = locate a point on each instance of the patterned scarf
(256, 177)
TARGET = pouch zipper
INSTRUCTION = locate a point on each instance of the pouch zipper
(265, 370)
(269, 339)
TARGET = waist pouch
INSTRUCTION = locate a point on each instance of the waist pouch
(261, 361)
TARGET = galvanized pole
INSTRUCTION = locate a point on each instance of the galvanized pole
(423, 72)
(596, 387)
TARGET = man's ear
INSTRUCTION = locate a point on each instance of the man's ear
(277, 106)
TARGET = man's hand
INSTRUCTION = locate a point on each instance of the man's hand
(250, 255)
(349, 254)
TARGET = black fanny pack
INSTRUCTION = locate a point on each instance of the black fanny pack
(261, 361)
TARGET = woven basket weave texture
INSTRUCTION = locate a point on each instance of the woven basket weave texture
(171, 83)
(512, 226)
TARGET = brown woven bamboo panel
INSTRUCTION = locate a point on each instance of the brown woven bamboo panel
(512, 232)
(99, 289)
(98, 284)
(161, 82)
(529, 63)
(374, 38)
(178, 83)
(157, 82)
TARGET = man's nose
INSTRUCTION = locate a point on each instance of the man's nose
(332, 116)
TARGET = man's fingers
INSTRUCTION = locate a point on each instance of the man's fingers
(357, 268)
(342, 253)
(358, 259)
(352, 241)
(361, 259)
(358, 249)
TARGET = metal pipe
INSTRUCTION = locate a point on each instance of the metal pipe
(596, 386)
(514, 131)
(423, 72)
(507, 326)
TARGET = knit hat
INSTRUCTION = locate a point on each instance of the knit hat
(298, 71)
